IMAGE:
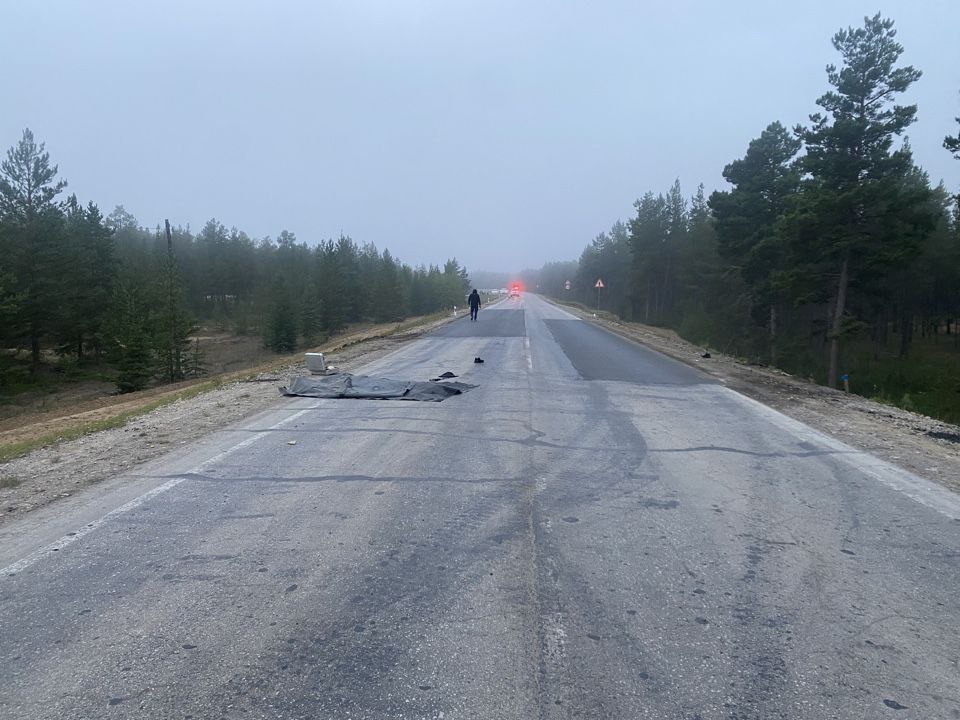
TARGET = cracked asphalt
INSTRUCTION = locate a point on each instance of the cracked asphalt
(595, 531)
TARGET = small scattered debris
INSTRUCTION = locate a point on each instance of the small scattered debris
(948, 436)
(291, 442)
(478, 360)
(706, 355)
(894, 705)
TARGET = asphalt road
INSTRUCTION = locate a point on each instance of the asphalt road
(595, 531)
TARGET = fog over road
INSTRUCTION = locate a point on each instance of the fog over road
(595, 531)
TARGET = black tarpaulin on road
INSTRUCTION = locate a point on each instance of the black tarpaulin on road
(364, 387)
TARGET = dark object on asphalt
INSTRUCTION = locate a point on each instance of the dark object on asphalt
(706, 354)
(446, 376)
(364, 387)
(478, 360)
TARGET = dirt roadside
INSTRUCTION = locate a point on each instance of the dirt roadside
(63, 468)
(924, 446)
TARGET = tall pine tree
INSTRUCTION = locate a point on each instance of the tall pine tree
(856, 184)
(174, 322)
(33, 252)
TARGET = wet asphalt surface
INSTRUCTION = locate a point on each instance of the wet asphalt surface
(595, 531)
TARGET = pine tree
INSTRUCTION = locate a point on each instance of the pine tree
(388, 299)
(765, 182)
(649, 235)
(331, 285)
(952, 143)
(196, 363)
(91, 271)
(174, 325)
(281, 331)
(33, 251)
(310, 312)
(856, 179)
(129, 336)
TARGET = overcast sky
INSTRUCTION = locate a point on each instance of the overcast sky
(505, 133)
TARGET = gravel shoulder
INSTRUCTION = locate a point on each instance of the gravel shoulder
(924, 446)
(921, 445)
(64, 468)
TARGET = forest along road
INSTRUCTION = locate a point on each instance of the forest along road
(595, 531)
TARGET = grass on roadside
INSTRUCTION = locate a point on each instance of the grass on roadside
(407, 325)
(19, 449)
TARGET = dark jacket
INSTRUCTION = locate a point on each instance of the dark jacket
(474, 300)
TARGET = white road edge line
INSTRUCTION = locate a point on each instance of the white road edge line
(918, 489)
(526, 347)
(70, 538)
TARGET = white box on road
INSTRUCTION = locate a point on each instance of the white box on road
(316, 363)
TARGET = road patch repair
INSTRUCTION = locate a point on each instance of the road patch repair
(363, 387)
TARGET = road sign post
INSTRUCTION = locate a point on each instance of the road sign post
(599, 285)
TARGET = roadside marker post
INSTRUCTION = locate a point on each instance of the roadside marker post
(599, 285)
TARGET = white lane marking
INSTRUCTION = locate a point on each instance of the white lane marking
(526, 347)
(916, 488)
(70, 538)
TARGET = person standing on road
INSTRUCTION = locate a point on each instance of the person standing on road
(474, 300)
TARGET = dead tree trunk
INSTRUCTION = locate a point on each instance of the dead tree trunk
(837, 327)
(773, 335)
(906, 332)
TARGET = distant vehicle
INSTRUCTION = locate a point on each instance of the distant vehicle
(515, 291)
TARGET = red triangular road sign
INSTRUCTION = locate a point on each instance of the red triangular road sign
(599, 283)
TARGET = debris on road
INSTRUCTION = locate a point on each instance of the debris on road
(364, 387)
